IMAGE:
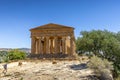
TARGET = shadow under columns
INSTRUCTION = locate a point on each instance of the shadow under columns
(51, 55)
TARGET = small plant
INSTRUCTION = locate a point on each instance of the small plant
(5, 59)
(21, 78)
(102, 67)
(7, 75)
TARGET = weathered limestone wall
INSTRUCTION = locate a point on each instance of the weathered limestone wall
(53, 41)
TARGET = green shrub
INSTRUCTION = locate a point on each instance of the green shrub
(102, 68)
(4, 59)
(3, 53)
(1, 59)
(16, 55)
(3, 56)
(116, 71)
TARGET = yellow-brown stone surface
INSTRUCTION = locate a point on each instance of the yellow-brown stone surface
(52, 39)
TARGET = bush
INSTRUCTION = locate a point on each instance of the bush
(102, 68)
(3, 53)
(1, 59)
(16, 55)
(3, 56)
(116, 71)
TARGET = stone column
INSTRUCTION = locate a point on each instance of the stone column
(47, 45)
(37, 46)
(59, 45)
(32, 45)
(44, 46)
(40, 46)
(64, 45)
(74, 47)
(56, 45)
(71, 45)
(51, 45)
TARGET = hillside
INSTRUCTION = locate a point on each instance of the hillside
(27, 50)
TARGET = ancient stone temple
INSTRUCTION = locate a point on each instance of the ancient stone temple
(51, 40)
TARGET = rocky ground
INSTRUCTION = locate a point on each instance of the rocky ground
(46, 70)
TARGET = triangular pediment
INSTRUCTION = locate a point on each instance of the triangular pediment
(52, 26)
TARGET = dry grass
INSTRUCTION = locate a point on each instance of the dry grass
(45, 70)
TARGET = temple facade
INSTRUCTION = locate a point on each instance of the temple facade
(52, 39)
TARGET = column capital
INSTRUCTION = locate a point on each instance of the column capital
(47, 37)
(33, 37)
(40, 38)
(65, 38)
(55, 37)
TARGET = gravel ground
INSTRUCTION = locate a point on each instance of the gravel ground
(46, 70)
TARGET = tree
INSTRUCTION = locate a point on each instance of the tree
(104, 44)
(118, 35)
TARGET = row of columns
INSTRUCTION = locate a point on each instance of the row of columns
(41, 45)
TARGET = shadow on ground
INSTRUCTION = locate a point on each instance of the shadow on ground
(79, 66)
(90, 77)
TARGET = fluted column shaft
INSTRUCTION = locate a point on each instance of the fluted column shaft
(47, 45)
(74, 47)
(33, 45)
(71, 45)
(63, 45)
(40, 46)
(37, 46)
(56, 45)
(51, 45)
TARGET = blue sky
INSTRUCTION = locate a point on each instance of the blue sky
(18, 16)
